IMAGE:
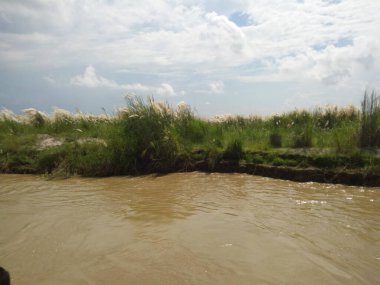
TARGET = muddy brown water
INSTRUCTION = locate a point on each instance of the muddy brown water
(189, 228)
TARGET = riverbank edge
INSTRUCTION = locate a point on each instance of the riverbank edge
(296, 174)
(346, 177)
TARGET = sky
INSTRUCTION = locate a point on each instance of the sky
(221, 57)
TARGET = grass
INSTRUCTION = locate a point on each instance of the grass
(370, 127)
(149, 136)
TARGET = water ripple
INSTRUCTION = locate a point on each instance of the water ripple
(190, 228)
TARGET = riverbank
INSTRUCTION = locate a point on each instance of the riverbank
(342, 176)
(334, 145)
(287, 166)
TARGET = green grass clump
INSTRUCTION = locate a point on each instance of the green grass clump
(146, 135)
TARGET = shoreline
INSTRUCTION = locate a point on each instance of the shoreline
(351, 178)
(326, 145)
(296, 174)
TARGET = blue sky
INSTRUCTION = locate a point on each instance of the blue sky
(236, 57)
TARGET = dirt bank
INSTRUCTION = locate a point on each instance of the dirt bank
(346, 177)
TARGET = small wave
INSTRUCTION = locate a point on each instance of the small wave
(301, 202)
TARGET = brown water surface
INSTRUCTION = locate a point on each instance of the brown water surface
(190, 228)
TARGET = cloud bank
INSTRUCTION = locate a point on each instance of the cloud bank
(191, 44)
(90, 79)
(217, 87)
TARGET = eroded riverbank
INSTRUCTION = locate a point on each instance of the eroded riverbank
(341, 175)
(338, 145)
(188, 228)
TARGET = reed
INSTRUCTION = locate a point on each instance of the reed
(370, 121)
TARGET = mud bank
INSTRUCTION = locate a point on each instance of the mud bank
(354, 178)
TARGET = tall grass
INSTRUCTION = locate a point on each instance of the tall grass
(234, 150)
(370, 121)
(275, 138)
(147, 140)
(149, 136)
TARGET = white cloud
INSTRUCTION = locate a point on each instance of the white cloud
(189, 43)
(164, 89)
(151, 32)
(91, 80)
(50, 79)
(216, 87)
(332, 65)
(183, 34)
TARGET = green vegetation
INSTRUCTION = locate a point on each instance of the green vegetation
(370, 126)
(148, 136)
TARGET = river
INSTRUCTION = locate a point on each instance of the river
(187, 228)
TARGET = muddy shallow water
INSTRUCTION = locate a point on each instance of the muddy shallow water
(188, 228)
